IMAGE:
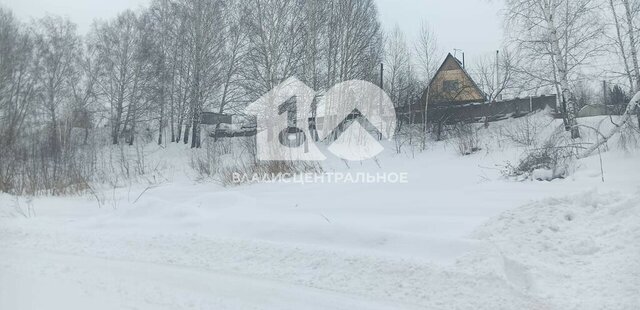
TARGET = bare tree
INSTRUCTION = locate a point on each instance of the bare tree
(275, 30)
(566, 32)
(495, 74)
(632, 46)
(315, 44)
(19, 76)
(205, 43)
(116, 43)
(354, 42)
(57, 48)
(427, 58)
(399, 77)
(621, 45)
(400, 83)
(426, 51)
(632, 41)
(161, 25)
(234, 56)
(181, 81)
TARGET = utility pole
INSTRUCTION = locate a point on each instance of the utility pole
(381, 91)
(495, 96)
(382, 76)
(463, 63)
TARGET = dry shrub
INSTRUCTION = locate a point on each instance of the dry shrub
(122, 164)
(466, 138)
(412, 136)
(227, 158)
(524, 131)
(552, 160)
(629, 137)
(39, 165)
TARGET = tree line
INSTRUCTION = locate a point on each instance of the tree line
(161, 67)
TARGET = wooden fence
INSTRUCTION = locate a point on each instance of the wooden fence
(475, 112)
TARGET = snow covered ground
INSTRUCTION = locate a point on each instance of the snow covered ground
(456, 236)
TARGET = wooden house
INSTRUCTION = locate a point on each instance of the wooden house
(453, 96)
(452, 85)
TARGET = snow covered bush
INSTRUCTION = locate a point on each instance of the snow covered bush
(122, 164)
(225, 159)
(552, 160)
(218, 156)
(465, 138)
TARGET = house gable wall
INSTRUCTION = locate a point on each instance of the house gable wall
(452, 85)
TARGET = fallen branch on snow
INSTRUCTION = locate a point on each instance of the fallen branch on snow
(633, 104)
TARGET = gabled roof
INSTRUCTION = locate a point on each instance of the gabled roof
(459, 66)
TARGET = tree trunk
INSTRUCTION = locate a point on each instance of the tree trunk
(623, 52)
(424, 118)
(567, 97)
(187, 130)
(195, 137)
(634, 49)
(160, 131)
(632, 42)
(172, 123)
(161, 122)
(179, 127)
(115, 127)
(195, 134)
(132, 133)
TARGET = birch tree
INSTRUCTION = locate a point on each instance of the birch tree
(235, 52)
(399, 74)
(427, 58)
(426, 53)
(354, 41)
(117, 44)
(621, 44)
(19, 76)
(632, 41)
(566, 32)
(632, 45)
(205, 43)
(181, 79)
(83, 85)
(276, 33)
(162, 23)
(57, 48)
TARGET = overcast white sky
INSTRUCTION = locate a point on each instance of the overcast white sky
(470, 25)
(473, 26)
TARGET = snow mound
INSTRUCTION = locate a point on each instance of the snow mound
(577, 252)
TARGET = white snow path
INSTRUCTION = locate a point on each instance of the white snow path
(578, 252)
(191, 271)
(65, 281)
